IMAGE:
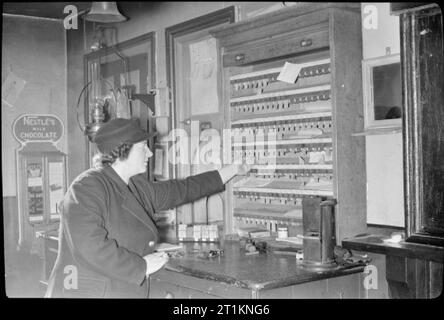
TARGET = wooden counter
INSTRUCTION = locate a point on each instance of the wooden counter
(237, 275)
(413, 270)
(376, 243)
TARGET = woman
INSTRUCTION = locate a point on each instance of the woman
(107, 231)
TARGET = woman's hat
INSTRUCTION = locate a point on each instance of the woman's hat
(119, 130)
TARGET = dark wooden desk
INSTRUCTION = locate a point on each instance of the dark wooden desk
(264, 275)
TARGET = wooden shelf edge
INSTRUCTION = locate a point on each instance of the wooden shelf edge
(375, 244)
(265, 119)
(283, 142)
(293, 167)
(326, 193)
(377, 131)
(239, 213)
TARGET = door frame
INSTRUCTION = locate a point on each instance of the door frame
(212, 19)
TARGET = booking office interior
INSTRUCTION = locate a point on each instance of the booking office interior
(356, 128)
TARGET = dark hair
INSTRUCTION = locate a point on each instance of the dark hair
(105, 159)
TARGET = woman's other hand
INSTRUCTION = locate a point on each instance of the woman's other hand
(155, 261)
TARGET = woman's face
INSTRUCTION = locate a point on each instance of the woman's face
(138, 157)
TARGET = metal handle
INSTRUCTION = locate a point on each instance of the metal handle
(306, 43)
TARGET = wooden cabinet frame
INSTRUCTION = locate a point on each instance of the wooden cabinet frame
(309, 31)
(423, 129)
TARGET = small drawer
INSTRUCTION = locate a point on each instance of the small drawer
(166, 290)
(272, 50)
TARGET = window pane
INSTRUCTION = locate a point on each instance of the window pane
(387, 91)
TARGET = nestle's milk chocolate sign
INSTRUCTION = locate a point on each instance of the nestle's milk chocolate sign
(38, 128)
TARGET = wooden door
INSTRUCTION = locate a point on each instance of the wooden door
(197, 118)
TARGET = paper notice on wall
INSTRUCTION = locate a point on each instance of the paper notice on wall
(289, 72)
(11, 89)
(122, 105)
(203, 77)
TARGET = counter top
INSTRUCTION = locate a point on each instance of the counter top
(378, 244)
(255, 272)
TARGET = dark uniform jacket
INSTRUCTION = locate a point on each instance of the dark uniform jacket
(108, 226)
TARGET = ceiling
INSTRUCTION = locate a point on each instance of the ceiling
(52, 10)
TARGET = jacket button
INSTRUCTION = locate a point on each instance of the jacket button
(151, 243)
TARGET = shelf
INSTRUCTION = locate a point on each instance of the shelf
(327, 193)
(246, 76)
(283, 142)
(294, 167)
(283, 118)
(376, 244)
(378, 131)
(255, 74)
(281, 93)
(242, 213)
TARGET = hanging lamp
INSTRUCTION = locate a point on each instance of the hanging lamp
(105, 12)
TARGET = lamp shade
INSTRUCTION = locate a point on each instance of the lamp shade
(105, 12)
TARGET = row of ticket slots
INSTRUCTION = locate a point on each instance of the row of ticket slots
(284, 130)
(286, 155)
(314, 101)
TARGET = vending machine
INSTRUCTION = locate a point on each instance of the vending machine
(41, 174)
